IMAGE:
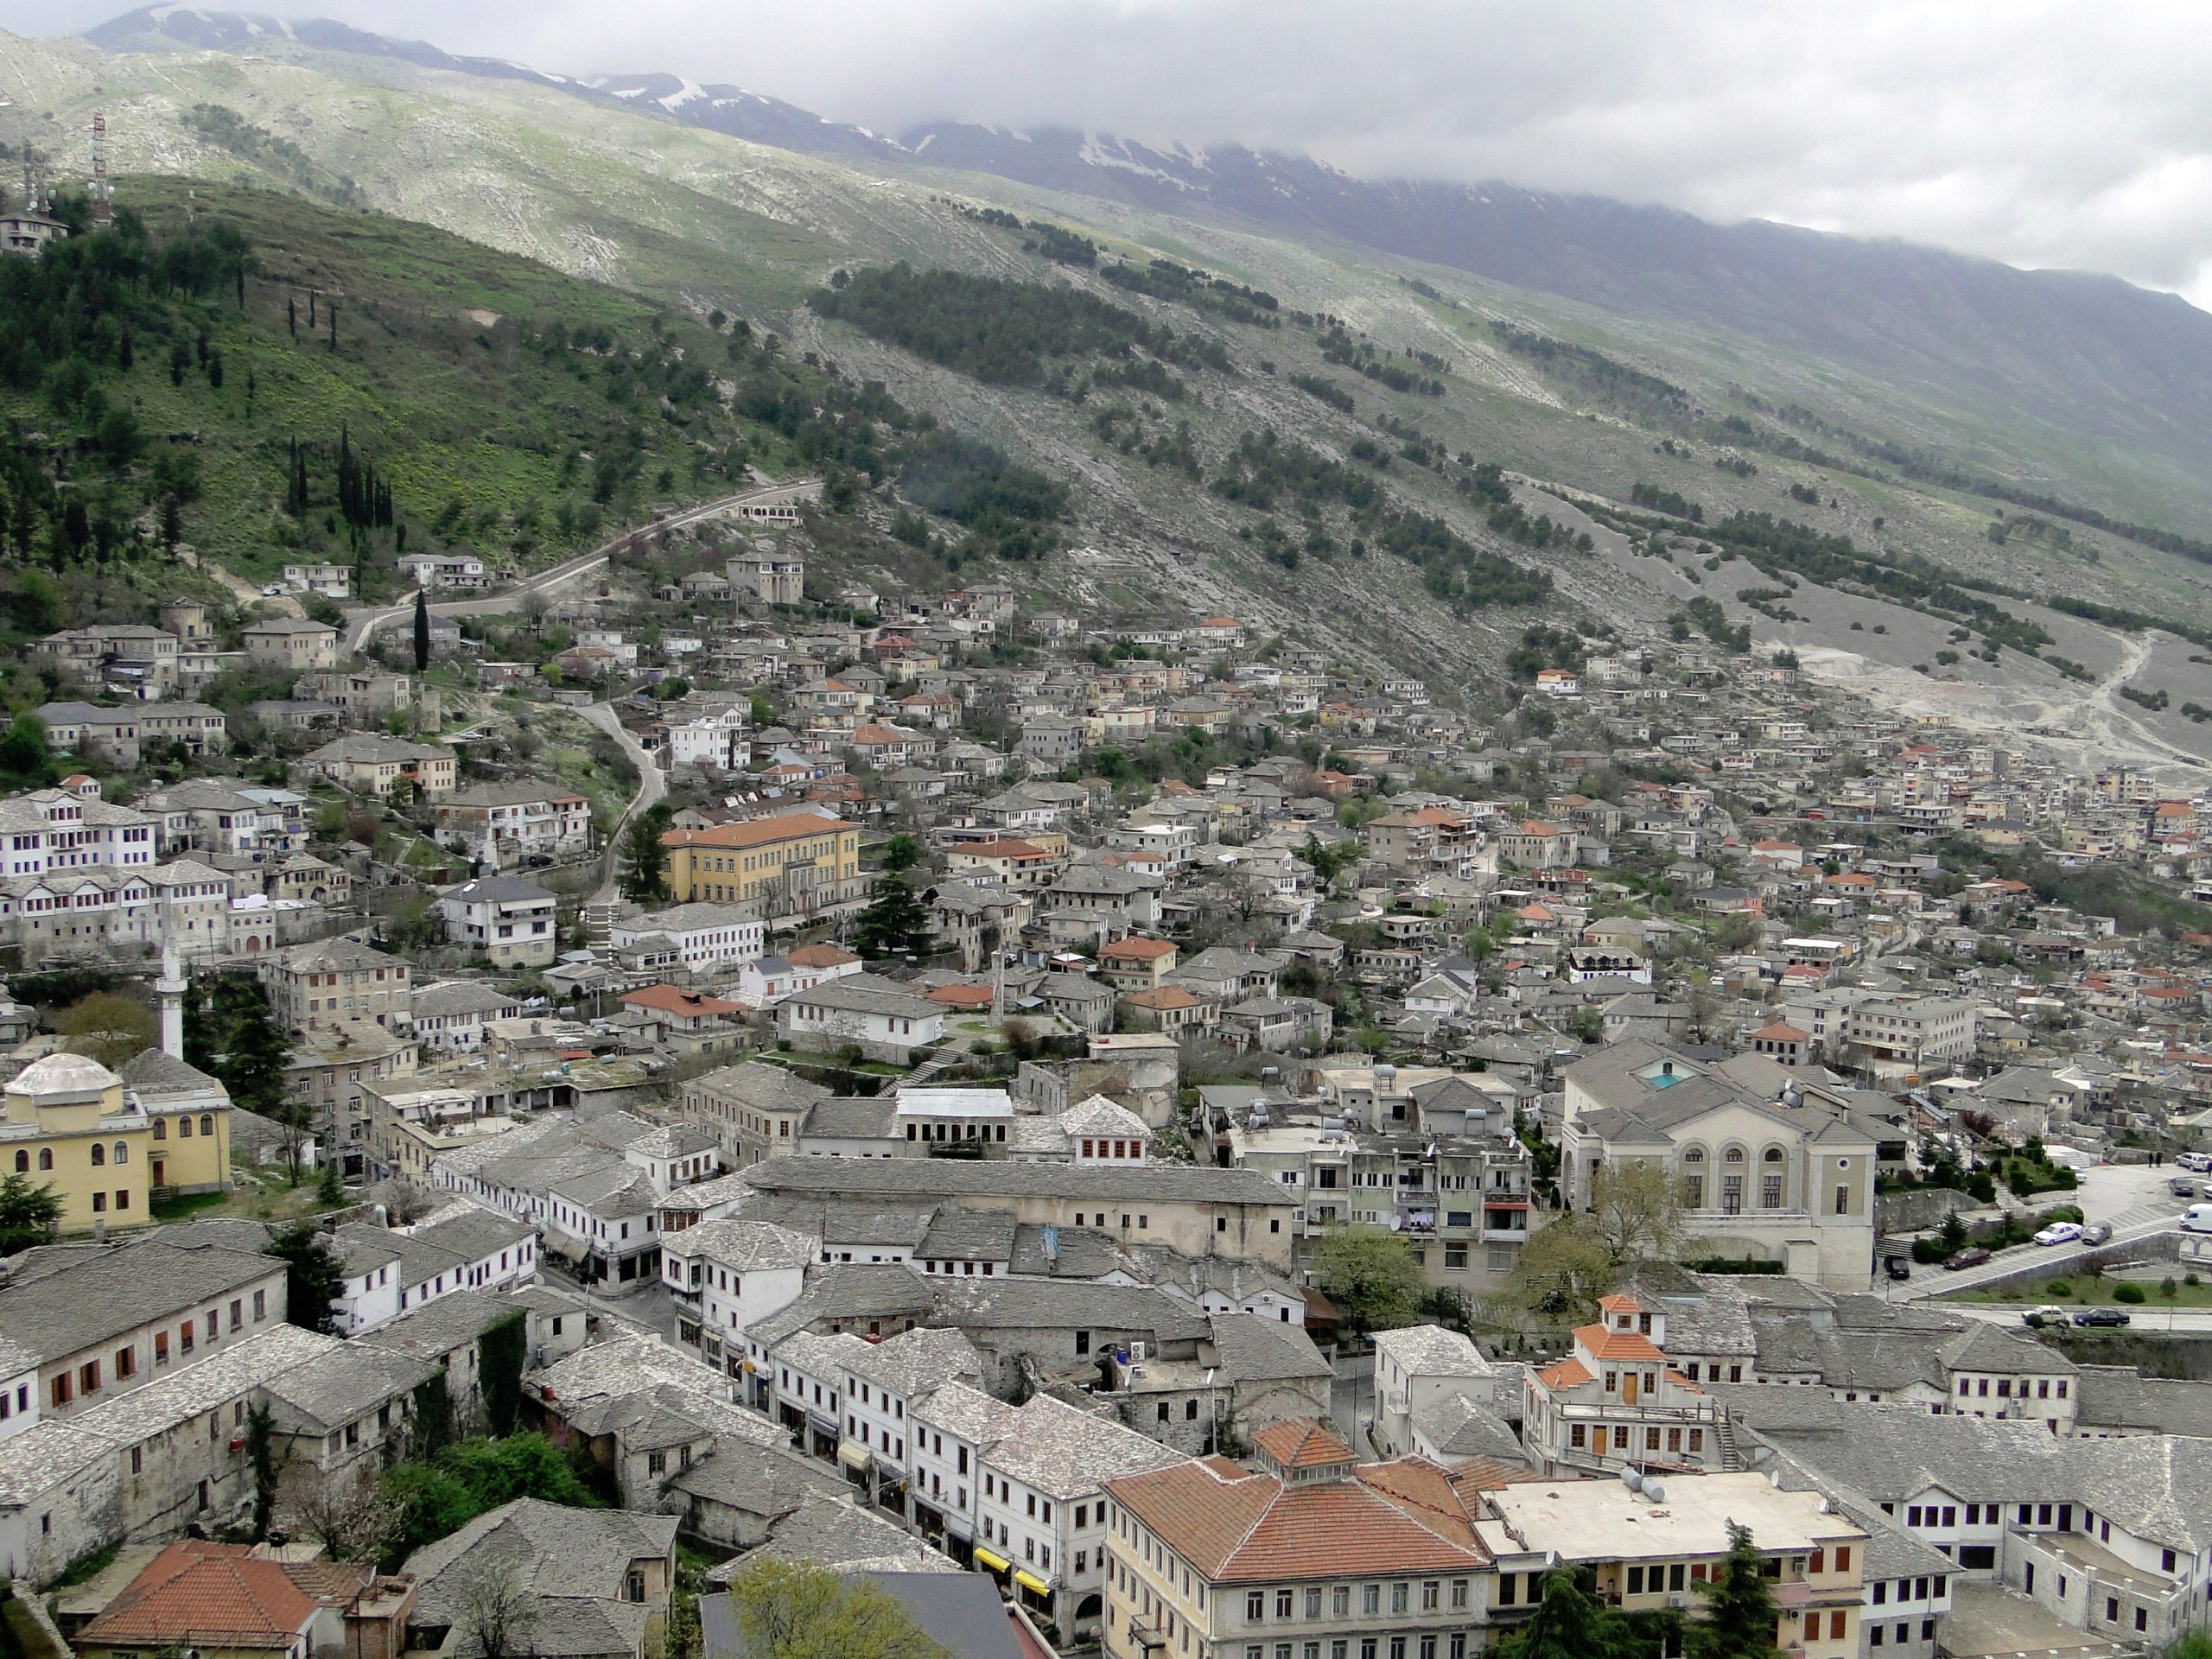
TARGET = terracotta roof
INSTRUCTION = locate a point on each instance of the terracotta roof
(1236, 1526)
(1299, 1442)
(1138, 948)
(1567, 1374)
(756, 832)
(674, 999)
(1001, 850)
(1618, 1303)
(819, 956)
(1166, 996)
(1617, 1344)
(1781, 1032)
(205, 1594)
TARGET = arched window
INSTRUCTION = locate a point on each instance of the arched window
(23, 1161)
(100, 1154)
(123, 1152)
(1693, 1155)
(46, 1157)
(1734, 1155)
(1773, 1155)
(160, 1128)
(207, 1122)
(184, 1126)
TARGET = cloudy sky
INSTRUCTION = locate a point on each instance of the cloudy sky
(2043, 132)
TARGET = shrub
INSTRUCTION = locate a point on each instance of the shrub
(2131, 1294)
(2168, 1287)
(2191, 1279)
(2059, 1289)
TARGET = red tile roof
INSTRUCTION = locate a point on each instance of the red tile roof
(1300, 1443)
(1617, 1344)
(1236, 1526)
(205, 1594)
(819, 956)
(756, 832)
(674, 999)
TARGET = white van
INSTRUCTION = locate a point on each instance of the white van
(2197, 1219)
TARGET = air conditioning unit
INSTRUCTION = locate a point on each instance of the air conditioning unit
(1678, 1601)
(1137, 1353)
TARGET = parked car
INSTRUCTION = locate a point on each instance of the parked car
(1900, 1267)
(2199, 1161)
(2100, 1316)
(2182, 1187)
(2060, 1232)
(2096, 1232)
(1973, 1256)
(2048, 1315)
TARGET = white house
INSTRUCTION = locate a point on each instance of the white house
(502, 917)
(885, 1020)
(707, 936)
(719, 740)
(728, 1275)
(450, 1015)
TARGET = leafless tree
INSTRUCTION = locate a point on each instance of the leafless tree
(343, 1511)
(498, 1614)
(404, 1201)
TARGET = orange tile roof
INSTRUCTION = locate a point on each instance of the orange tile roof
(1138, 949)
(1166, 996)
(1000, 848)
(1298, 1442)
(1236, 1526)
(1617, 1344)
(215, 1594)
(674, 999)
(756, 832)
(1567, 1374)
(961, 996)
(819, 956)
(1618, 1303)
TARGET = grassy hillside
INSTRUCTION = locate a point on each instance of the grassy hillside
(504, 406)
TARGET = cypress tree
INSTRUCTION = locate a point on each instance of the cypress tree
(422, 629)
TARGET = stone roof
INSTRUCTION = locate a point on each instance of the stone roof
(1431, 1351)
(57, 1304)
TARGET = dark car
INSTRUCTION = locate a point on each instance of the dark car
(1899, 1266)
(2097, 1232)
(1973, 1256)
(2100, 1316)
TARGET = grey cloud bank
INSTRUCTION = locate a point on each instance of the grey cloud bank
(2041, 134)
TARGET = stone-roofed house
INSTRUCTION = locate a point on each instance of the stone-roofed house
(1417, 1367)
(588, 1584)
(883, 1019)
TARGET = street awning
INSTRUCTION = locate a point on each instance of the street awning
(854, 1455)
(987, 1558)
(1032, 1583)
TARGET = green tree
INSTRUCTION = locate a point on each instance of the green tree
(107, 1026)
(794, 1610)
(25, 760)
(901, 853)
(1371, 1275)
(28, 1214)
(1565, 1267)
(249, 1054)
(314, 1276)
(1570, 1622)
(501, 1352)
(1740, 1614)
(1637, 1208)
(645, 865)
(422, 629)
(436, 1496)
(895, 924)
(261, 1455)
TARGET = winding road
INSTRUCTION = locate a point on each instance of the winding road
(652, 783)
(360, 625)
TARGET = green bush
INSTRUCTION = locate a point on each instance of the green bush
(2190, 1278)
(2059, 1289)
(2131, 1294)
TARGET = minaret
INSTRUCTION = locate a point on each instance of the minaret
(170, 988)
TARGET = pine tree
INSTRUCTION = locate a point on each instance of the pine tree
(422, 629)
(261, 1454)
(895, 924)
(1570, 1622)
(1740, 1614)
(292, 315)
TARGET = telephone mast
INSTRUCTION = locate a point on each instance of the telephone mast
(103, 212)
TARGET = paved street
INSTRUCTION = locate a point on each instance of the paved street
(2132, 1197)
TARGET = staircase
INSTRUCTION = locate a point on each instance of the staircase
(601, 911)
(1723, 1434)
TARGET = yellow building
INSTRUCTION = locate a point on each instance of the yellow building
(787, 869)
(190, 1115)
(71, 1125)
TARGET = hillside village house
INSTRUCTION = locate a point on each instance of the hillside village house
(290, 643)
(340, 987)
(371, 764)
(503, 918)
(507, 824)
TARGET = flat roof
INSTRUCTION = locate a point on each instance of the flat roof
(1603, 1520)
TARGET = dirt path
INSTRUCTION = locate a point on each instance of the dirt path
(246, 594)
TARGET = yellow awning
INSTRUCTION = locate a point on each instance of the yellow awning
(994, 1562)
(853, 1455)
(1030, 1581)
(748, 1368)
